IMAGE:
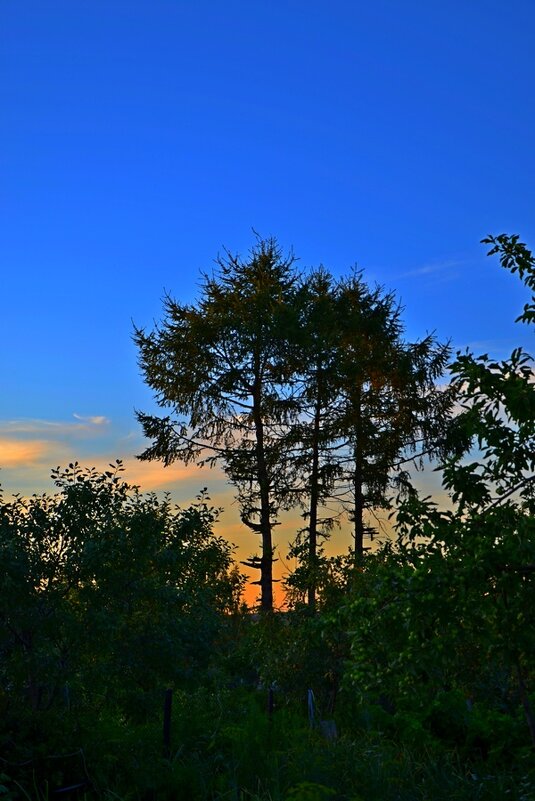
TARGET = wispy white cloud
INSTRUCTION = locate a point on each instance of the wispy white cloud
(52, 428)
(443, 267)
(496, 348)
(134, 436)
(95, 420)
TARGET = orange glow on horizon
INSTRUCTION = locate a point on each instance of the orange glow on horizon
(22, 453)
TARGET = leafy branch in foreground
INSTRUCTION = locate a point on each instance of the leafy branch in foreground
(482, 551)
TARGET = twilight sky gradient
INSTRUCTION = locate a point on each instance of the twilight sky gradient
(138, 138)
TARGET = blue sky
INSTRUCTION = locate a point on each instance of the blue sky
(137, 139)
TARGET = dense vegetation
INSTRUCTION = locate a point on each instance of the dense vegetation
(410, 674)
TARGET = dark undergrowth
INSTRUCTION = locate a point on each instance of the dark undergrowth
(226, 745)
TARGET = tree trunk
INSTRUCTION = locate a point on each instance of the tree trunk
(266, 561)
(358, 480)
(313, 511)
(358, 512)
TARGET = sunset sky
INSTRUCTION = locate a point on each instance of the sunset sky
(140, 138)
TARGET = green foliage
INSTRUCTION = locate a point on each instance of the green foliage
(421, 653)
(106, 597)
(310, 791)
(515, 256)
(447, 617)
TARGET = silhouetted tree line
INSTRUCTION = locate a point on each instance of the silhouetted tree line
(302, 387)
